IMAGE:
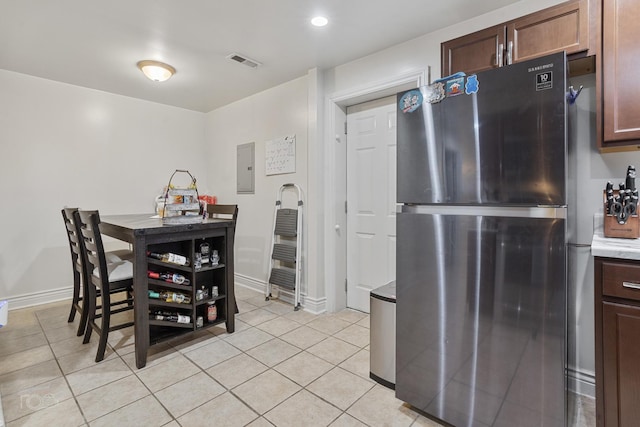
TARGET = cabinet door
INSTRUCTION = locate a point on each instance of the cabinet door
(475, 52)
(620, 64)
(621, 353)
(558, 28)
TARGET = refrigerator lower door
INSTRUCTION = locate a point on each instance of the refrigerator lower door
(481, 309)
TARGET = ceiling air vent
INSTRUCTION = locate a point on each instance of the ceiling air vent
(243, 60)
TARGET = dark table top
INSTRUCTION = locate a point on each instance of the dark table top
(137, 224)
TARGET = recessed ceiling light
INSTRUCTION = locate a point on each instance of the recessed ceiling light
(155, 70)
(319, 21)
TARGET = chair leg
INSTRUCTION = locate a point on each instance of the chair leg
(84, 313)
(76, 296)
(82, 327)
(90, 306)
(104, 328)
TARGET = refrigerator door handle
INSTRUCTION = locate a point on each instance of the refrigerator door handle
(479, 210)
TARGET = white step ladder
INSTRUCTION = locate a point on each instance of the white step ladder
(284, 263)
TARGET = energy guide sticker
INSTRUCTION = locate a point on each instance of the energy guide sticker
(544, 81)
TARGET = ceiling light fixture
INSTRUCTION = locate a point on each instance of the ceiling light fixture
(155, 70)
(319, 21)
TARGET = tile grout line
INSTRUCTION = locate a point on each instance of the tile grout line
(277, 315)
(301, 350)
(303, 387)
(64, 376)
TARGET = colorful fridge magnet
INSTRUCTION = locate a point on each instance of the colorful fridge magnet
(472, 85)
(452, 76)
(435, 93)
(410, 101)
(455, 86)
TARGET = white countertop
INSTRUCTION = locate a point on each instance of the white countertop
(612, 247)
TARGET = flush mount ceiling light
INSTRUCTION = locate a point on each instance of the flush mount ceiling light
(319, 21)
(155, 70)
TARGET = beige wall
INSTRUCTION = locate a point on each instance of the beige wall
(272, 114)
(64, 145)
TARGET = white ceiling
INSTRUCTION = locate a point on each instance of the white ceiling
(96, 44)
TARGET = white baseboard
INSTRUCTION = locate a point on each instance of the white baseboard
(250, 282)
(312, 305)
(581, 382)
(39, 298)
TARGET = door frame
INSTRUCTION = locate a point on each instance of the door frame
(334, 289)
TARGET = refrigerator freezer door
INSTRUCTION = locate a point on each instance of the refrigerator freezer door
(503, 145)
(481, 318)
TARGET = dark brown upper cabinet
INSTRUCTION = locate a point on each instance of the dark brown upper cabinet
(565, 26)
(619, 86)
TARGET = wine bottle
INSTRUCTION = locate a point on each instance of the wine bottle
(169, 257)
(175, 297)
(168, 296)
(171, 317)
(178, 279)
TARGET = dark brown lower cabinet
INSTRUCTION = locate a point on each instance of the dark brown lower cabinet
(617, 310)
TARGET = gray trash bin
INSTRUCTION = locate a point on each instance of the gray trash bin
(382, 362)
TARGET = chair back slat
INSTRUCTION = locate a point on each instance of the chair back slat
(94, 250)
(73, 235)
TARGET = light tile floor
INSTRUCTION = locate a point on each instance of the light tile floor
(280, 367)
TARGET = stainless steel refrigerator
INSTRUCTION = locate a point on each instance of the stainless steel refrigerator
(481, 247)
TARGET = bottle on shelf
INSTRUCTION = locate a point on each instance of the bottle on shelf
(178, 279)
(169, 296)
(170, 317)
(202, 293)
(169, 257)
(205, 251)
(212, 312)
(215, 258)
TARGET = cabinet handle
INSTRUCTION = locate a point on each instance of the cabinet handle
(499, 50)
(631, 285)
(510, 53)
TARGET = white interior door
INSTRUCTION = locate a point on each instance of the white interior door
(340, 197)
(371, 199)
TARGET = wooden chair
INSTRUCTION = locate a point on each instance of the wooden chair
(79, 289)
(103, 279)
(226, 212)
(76, 265)
(223, 211)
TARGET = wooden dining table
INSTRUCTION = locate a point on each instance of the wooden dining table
(144, 230)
